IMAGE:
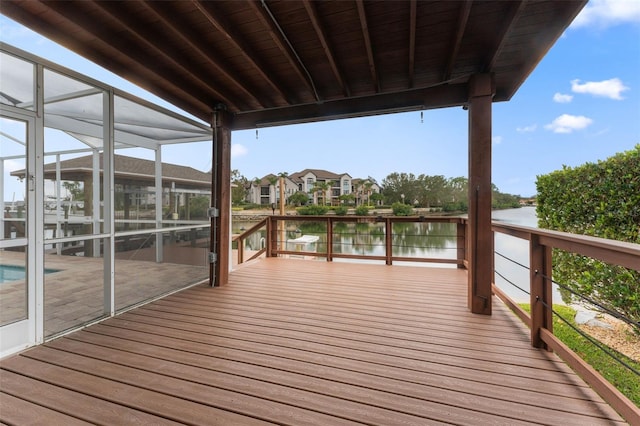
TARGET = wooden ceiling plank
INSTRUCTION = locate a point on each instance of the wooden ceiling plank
(148, 40)
(367, 44)
(224, 96)
(413, 12)
(222, 24)
(179, 96)
(284, 48)
(319, 29)
(509, 20)
(463, 18)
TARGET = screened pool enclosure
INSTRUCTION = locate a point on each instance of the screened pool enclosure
(98, 204)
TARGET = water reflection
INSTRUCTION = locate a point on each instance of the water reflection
(419, 240)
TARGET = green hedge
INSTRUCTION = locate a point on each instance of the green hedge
(313, 210)
(401, 209)
(602, 200)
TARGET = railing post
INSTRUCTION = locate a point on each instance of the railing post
(268, 253)
(273, 236)
(541, 300)
(240, 242)
(329, 239)
(461, 244)
(388, 233)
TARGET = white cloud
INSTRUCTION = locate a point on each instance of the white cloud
(611, 88)
(527, 129)
(607, 13)
(567, 123)
(238, 150)
(496, 140)
(561, 98)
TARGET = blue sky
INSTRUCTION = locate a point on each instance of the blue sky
(581, 104)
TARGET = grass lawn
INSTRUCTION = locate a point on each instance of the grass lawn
(625, 380)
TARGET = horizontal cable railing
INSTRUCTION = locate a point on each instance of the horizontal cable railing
(540, 282)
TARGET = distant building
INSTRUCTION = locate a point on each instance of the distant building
(266, 190)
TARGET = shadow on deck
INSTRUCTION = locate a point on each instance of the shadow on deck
(302, 342)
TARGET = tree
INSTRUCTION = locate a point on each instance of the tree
(367, 188)
(299, 198)
(240, 188)
(397, 184)
(321, 189)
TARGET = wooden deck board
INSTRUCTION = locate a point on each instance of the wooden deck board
(308, 342)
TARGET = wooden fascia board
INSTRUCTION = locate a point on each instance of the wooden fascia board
(413, 100)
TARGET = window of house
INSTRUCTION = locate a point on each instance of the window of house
(346, 186)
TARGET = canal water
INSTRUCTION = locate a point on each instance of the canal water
(420, 240)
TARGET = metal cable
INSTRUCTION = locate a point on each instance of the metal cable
(601, 346)
(511, 282)
(511, 260)
(605, 309)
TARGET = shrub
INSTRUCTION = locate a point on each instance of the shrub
(362, 210)
(601, 200)
(312, 210)
(401, 209)
(341, 210)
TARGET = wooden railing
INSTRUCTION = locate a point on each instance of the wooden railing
(540, 321)
(240, 240)
(276, 244)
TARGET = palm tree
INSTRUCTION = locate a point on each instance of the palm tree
(273, 179)
(321, 189)
(257, 182)
(367, 186)
(282, 175)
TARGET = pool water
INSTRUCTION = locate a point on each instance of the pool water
(15, 273)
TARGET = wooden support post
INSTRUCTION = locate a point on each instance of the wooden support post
(221, 197)
(541, 292)
(481, 91)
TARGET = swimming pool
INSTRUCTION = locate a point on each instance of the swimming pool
(15, 273)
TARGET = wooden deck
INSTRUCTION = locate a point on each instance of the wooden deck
(302, 342)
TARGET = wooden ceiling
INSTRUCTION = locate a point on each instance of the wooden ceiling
(273, 62)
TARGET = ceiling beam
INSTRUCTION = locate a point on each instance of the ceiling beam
(367, 44)
(509, 20)
(413, 13)
(73, 16)
(150, 40)
(411, 100)
(463, 18)
(222, 24)
(189, 39)
(318, 27)
(263, 15)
